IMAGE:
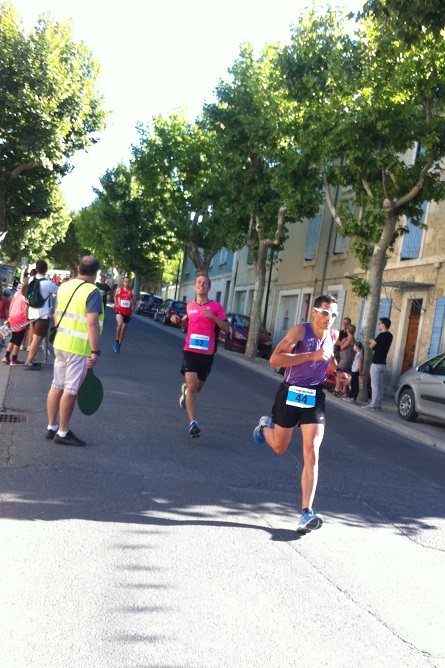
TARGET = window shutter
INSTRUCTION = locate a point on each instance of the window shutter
(437, 330)
(312, 236)
(411, 240)
(340, 244)
(384, 311)
(360, 320)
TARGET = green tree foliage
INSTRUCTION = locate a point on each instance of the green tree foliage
(270, 182)
(181, 176)
(66, 253)
(360, 105)
(49, 109)
(38, 218)
(120, 229)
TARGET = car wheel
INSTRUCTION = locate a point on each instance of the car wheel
(407, 406)
(228, 343)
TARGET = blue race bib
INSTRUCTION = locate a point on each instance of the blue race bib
(301, 397)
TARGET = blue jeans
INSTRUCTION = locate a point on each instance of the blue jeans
(377, 374)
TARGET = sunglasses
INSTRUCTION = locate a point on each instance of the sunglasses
(328, 314)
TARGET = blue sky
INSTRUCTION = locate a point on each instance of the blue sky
(158, 56)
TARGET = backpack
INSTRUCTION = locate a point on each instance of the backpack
(33, 295)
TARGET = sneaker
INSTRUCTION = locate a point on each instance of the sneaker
(194, 429)
(34, 366)
(17, 363)
(182, 397)
(309, 521)
(368, 406)
(50, 433)
(5, 360)
(116, 347)
(69, 439)
(258, 437)
(349, 400)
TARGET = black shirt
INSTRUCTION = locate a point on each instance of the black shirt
(383, 344)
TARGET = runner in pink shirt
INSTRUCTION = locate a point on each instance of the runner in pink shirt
(203, 320)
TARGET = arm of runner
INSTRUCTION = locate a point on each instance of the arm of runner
(283, 356)
(222, 324)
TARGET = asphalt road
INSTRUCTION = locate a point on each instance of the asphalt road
(150, 549)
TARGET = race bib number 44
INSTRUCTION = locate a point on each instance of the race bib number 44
(301, 397)
(199, 342)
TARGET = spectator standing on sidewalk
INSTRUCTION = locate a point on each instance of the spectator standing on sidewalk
(4, 311)
(79, 317)
(305, 352)
(380, 345)
(17, 316)
(40, 317)
(356, 373)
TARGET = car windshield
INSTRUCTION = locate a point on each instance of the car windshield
(435, 365)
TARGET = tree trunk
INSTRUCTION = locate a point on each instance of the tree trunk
(258, 293)
(3, 221)
(137, 282)
(374, 278)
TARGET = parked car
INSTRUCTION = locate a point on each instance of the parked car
(236, 339)
(422, 390)
(144, 305)
(169, 308)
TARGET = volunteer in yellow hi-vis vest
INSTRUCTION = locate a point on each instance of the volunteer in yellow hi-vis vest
(76, 347)
(72, 332)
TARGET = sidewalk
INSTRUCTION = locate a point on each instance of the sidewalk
(426, 431)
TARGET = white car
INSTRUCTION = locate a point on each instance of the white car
(422, 390)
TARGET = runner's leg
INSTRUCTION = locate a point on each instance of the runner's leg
(312, 435)
(278, 438)
(194, 387)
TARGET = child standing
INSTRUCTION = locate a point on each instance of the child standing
(356, 372)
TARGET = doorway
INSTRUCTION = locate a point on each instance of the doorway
(411, 337)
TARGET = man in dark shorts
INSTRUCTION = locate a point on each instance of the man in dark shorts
(203, 317)
(305, 353)
(123, 307)
(104, 290)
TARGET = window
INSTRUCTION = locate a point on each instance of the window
(340, 244)
(223, 256)
(412, 238)
(437, 330)
(313, 234)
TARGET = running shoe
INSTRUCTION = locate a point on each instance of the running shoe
(258, 437)
(182, 397)
(349, 400)
(194, 429)
(6, 361)
(309, 521)
(16, 363)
